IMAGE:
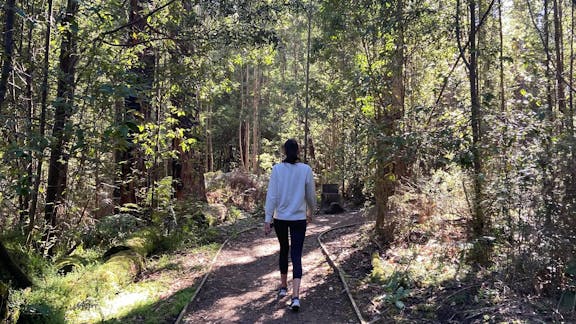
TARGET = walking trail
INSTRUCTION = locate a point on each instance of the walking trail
(243, 283)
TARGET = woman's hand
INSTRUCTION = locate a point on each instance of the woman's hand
(308, 216)
(267, 228)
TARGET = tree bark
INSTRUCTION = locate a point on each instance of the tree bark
(42, 126)
(10, 10)
(479, 222)
(57, 170)
(27, 197)
(389, 168)
(307, 108)
(256, 120)
(188, 173)
(240, 121)
(246, 132)
(137, 107)
(209, 140)
(547, 185)
(559, 50)
(188, 168)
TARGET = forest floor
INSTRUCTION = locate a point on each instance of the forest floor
(243, 284)
(426, 284)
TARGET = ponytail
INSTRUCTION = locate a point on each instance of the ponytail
(291, 150)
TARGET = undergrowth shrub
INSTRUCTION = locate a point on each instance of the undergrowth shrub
(113, 229)
(242, 190)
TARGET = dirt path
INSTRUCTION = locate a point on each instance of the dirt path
(242, 285)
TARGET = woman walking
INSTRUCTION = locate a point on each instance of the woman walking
(290, 200)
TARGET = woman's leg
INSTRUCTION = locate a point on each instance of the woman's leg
(297, 235)
(281, 229)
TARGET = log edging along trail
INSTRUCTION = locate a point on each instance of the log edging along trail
(183, 311)
(340, 271)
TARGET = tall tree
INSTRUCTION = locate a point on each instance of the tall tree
(390, 167)
(42, 121)
(8, 48)
(136, 104)
(64, 107)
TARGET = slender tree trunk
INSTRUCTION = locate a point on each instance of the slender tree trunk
(479, 221)
(558, 40)
(548, 62)
(241, 122)
(547, 186)
(25, 207)
(504, 155)
(209, 140)
(570, 118)
(256, 119)
(501, 59)
(42, 126)
(570, 173)
(247, 125)
(57, 170)
(571, 78)
(10, 9)
(307, 108)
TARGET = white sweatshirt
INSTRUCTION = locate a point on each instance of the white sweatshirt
(290, 190)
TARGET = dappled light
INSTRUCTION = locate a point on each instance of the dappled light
(158, 157)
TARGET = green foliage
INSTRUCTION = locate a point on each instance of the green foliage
(161, 194)
(395, 283)
(115, 229)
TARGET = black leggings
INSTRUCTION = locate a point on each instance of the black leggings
(297, 235)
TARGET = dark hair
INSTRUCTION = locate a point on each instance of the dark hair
(291, 150)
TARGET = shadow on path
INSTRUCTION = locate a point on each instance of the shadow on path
(242, 286)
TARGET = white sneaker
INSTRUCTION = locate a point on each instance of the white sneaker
(282, 292)
(295, 304)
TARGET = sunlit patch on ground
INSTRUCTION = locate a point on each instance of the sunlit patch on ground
(117, 307)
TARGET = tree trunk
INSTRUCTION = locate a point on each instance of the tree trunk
(558, 40)
(389, 168)
(571, 179)
(10, 10)
(547, 185)
(188, 168)
(479, 222)
(57, 170)
(246, 134)
(306, 110)
(256, 120)
(137, 107)
(241, 122)
(209, 140)
(42, 126)
(27, 196)
(571, 73)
